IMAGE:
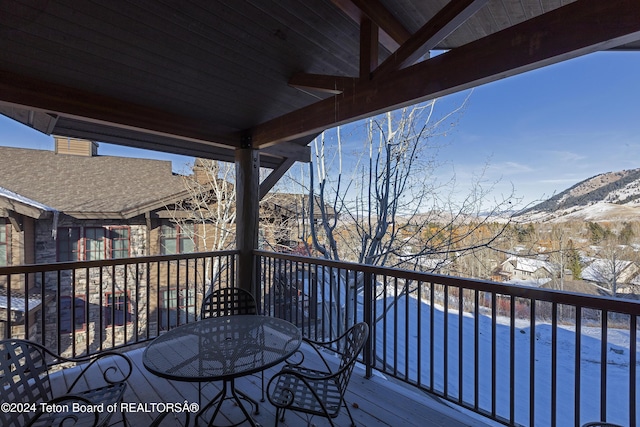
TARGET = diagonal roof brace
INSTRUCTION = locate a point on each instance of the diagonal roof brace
(411, 49)
(445, 22)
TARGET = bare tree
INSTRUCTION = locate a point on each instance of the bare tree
(208, 211)
(611, 268)
(389, 207)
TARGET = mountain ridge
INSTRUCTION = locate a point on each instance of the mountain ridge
(606, 196)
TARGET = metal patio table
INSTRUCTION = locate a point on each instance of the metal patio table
(222, 349)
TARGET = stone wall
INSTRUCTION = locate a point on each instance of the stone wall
(90, 290)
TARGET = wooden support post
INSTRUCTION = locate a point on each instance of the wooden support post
(247, 215)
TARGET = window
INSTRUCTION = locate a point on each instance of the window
(93, 243)
(177, 307)
(118, 309)
(119, 242)
(72, 308)
(4, 244)
(177, 239)
(68, 244)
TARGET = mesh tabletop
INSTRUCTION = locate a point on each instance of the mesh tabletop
(220, 348)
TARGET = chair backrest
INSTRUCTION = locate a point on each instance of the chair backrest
(351, 343)
(600, 424)
(24, 377)
(228, 302)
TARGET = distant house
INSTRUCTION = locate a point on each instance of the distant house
(604, 272)
(427, 263)
(284, 217)
(527, 271)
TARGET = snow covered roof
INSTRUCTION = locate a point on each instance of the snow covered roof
(18, 301)
(23, 205)
(427, 262)
(531, 264)
(535, 283)
(602, 270)
(24, 200)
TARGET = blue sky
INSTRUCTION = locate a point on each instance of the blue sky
(541, 131)
(548, 129)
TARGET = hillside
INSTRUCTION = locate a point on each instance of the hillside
(612, 196)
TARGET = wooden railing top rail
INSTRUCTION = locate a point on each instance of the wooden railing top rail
(606, 303)
(58, 266)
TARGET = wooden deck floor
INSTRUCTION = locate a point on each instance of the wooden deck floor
(374, 402)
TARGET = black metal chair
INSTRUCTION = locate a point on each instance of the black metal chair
(228, 302)
(24, 379)
(318, 392)
(173, 419)
(231, 302)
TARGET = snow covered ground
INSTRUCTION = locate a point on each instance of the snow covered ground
(406, 338)
(600, 211)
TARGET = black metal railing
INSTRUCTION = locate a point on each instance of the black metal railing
(79, 308)
(518, 355)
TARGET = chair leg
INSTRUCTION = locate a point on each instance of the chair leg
(277, 416)
(262, 388)
(353, 423)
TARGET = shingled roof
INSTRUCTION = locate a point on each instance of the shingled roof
(90, 187)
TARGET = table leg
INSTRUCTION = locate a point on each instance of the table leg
(250, 400)
(235, 393)
(229, 392)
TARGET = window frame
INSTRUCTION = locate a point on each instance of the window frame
(88, 248)
(79, 309)
(68, 254)
(4, 225)
(111, 246)
(176, 301)
(83, 248)
(179, 236)
(111, 314)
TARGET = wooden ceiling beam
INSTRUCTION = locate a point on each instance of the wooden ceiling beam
(392, 33)
(368, 48)
(553, 37)
(322, 83)
(379, 14)
(290, 150)
(43, 122)
(450, 17)
(39, 95)
(440, 26)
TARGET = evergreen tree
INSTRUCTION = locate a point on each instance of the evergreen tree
(626, 235)
(573, 261)
(598, 233)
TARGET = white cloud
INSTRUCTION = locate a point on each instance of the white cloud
(565, 156)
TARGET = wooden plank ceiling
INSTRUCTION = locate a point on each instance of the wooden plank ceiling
(202, 78)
